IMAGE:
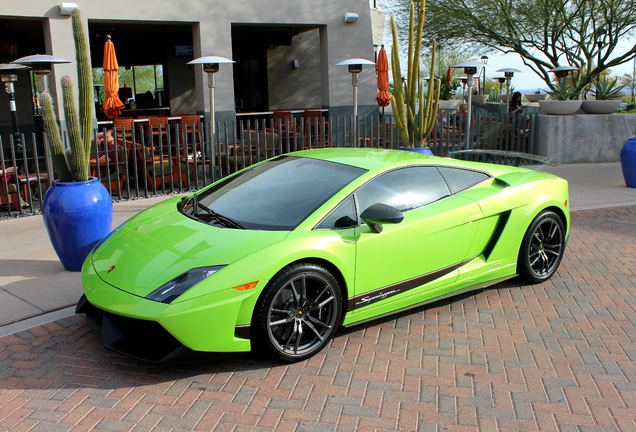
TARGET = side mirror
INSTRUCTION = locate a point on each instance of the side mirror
(379, 214)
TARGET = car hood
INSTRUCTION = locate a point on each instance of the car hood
(147, 252)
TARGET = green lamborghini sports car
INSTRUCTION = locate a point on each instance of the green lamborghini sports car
(277, 256)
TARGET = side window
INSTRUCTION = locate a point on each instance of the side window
(404, 189)
(459, 179)
(343, 216)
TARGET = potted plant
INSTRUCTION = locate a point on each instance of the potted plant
(607, 94)
(564, 100)
(77, 209)
(448, 86)
(477, 98)
(413, 103)
(536, 96)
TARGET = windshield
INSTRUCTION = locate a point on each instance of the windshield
(276, 195)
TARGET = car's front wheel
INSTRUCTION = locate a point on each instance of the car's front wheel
(542, 248)
(298, 313)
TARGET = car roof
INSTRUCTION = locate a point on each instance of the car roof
(383, 159)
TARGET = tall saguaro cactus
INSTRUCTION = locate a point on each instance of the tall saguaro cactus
(413, 103)
(72, 164)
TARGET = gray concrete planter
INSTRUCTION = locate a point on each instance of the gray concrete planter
(600, 106)
(449, 105)
(557, 107)
(536, 97)
(477, 99)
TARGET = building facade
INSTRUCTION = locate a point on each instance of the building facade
(285, 52)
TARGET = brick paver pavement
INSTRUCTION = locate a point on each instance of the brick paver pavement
(556, 356)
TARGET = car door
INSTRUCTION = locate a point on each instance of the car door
(422, 252)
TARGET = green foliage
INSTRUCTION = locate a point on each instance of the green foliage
(448, 86)
(72, 164)
(606, 88)
(545, 33)
(493, 97)
(414, 104)
(568, 90)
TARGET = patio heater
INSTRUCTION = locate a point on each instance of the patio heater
(464, 81)
(562, 72)
(211, 65)
(484, 60)
(508, 74)
(42, 65)
(501, 81)
(470, 69)
(9, 76)
(355, 67)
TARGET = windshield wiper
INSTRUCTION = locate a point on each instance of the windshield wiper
(223, 220)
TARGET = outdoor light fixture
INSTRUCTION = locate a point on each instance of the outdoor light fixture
(600, 41)
(484, 60)
(68, 8)
(351, 17)
(211, 65)
(562, 72)
(470, 69)
(42, 65)
(355, 67)
(508, 74)
(9, 76)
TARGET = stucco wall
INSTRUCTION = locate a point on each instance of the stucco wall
(296, 88)
(212, 22)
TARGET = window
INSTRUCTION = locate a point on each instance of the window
(278, 194)
(343, 216)
(459, 179)
(141, 79)
(404, 189)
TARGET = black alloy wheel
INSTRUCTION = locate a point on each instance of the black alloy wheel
(298, 313)
(542, 248)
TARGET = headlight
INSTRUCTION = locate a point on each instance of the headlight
(177, 286)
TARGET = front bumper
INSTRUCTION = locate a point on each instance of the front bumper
(158, 332)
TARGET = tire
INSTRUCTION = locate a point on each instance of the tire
(542, 248)
(297, 314)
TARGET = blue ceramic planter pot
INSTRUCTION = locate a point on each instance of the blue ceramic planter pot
(628, 162)
(77, 215)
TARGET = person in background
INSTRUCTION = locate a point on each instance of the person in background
(515, 106)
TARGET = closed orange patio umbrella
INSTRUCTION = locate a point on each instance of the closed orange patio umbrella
(382, 69)
(112, 106)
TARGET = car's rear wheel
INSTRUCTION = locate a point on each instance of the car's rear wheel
(542, 248)
(298, 313)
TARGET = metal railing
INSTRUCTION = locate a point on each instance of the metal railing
(148, 161)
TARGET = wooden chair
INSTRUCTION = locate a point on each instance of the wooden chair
(112, 169)
(191, 152)
(254, 146)
(9, 190)
(191, 130)
(316, 129)
(285, 127)
(124, 129)
(157, 168)
(157, 132)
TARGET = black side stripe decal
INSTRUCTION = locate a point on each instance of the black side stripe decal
(383, 293)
